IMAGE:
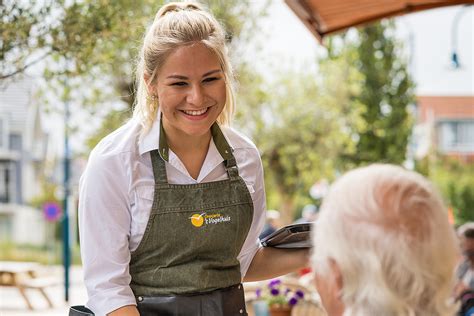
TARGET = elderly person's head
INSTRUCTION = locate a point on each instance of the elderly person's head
(384, 246)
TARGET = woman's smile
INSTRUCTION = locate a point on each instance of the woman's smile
(196, 114)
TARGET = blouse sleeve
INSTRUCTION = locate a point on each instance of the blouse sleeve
(104, 227)
(252, 242)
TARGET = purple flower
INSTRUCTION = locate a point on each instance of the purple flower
(287, 291)
(258, 292)
(274, 283)
(300, 294)
(275, 292)
(293, 301)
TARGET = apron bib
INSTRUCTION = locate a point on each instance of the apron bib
(186, 262)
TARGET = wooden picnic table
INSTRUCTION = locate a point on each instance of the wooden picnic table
(24, 275)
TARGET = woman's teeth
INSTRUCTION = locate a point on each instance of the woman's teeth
(196, 113)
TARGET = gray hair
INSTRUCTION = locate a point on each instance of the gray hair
(388, 231)
(178, 24)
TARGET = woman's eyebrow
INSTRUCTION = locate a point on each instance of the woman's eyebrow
(177, 77)
(211, 72)
(181, 77)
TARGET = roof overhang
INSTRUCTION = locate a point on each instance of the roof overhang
(323, 17)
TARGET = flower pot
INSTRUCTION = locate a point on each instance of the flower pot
(280, 310)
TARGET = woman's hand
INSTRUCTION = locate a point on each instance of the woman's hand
(272, 262)
(129, 310)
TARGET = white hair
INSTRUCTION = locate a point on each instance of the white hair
(388, 231)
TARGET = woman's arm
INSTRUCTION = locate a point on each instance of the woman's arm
(104, 226)
(272, 262)
(130, 310)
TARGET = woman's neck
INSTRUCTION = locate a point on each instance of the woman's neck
(191, 150)
(182, 143)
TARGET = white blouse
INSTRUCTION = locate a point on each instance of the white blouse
(115, 199)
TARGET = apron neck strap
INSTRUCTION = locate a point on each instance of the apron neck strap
(225, 150)
(159, 168)
(158, 157)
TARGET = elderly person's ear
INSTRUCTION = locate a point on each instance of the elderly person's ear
(329, 287)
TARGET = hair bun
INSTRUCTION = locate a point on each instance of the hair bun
(176, 7)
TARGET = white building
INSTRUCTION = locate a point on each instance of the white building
(23, 149)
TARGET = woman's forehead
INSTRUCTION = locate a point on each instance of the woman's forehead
(190, 61)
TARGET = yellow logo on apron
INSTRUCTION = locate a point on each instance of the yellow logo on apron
(197, 219)
(200, 219)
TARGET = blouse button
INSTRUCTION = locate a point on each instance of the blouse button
(140, 298)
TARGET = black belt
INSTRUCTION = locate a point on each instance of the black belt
(229, 301)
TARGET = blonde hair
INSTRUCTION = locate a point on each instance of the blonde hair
(391, 238)
(178, 24)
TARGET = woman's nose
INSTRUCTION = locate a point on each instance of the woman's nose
(196, 96)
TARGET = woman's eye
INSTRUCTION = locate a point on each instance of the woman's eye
(179, 83)
(210, 79)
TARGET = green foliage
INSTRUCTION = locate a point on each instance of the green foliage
(300, 127)
(355, 112)
(87, 33)
(455, 181)
(386, 93)
(48, 254)
(23, 31)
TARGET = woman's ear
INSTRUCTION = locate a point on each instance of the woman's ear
(149, 87)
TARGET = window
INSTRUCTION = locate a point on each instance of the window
(456, 136)
(15, 142)
(4, 183)
(3, 132)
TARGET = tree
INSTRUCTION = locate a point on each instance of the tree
(386, 95)
(301, 128)
(455, 182)
(88, 33)
(354, 112)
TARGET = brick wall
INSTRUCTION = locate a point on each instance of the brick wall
(445, 107)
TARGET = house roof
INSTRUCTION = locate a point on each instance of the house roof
(323, 17)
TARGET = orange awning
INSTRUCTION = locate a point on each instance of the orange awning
(324, 17)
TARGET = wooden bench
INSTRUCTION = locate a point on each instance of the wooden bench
(23, 276)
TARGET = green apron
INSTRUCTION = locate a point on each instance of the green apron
(191, 242)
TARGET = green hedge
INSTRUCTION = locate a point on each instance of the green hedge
(48, 255)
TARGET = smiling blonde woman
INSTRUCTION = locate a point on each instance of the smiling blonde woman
(172, 203)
